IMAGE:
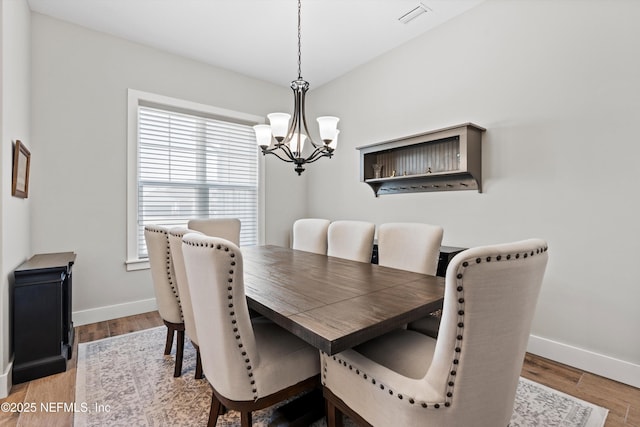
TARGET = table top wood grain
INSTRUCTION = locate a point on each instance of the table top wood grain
(333, 303)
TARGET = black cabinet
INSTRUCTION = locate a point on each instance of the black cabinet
(41, 322)
(446, 255)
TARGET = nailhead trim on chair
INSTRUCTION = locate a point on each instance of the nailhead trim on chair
(232, 313)
(168, 261)
(458, 346)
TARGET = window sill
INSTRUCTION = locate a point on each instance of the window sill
(137, 264)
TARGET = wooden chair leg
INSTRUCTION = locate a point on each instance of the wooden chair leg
(179, 353)
(169, 344)
(245, 419)
(214, 411)
(334, 416)
(198, 364)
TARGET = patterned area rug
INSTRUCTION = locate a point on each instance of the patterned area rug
(127, 381)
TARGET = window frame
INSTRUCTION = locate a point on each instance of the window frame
(136, 98)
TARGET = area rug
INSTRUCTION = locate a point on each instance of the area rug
(127, 381)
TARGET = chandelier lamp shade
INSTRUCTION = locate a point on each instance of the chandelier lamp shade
(285, 135)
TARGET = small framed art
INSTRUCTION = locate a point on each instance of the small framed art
(21, 163)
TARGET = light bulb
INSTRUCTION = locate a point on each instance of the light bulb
(328, 128)
(279, 125)
(296, 147)
(263, 135)
(334, 144)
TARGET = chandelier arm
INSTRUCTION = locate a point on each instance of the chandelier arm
(318, 154)
(275, 153)
(315, 155)
(288, 152)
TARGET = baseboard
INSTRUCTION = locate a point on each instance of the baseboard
(5, 381)
(599, 364)
(100, 314)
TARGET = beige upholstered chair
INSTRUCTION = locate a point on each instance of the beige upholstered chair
(227, 228)
(166, 289)
(351, 240)
(310, 234)
(175, 243)
(250, 364)
(410, 246)
(468, 377)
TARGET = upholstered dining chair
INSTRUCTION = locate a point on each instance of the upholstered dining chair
(310, 235)
(351, 240)
(469, 375)
(410, 246)
(175, 243)
(166, 289)
(250, 363)
(227, 228)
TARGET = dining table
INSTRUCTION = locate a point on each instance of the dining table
(334, 303)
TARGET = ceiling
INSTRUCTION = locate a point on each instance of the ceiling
(258, 38)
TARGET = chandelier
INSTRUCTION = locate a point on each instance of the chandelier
(286, 141)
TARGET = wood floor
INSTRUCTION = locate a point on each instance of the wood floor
(622, 401)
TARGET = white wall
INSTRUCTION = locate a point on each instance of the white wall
(14, 125)
(556, 85)
(80, 81)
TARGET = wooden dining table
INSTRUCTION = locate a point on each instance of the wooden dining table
(332, 303)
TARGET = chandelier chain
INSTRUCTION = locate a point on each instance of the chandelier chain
(299, 42)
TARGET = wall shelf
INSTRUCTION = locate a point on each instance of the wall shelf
(441, 160)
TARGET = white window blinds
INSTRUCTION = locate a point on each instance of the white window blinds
(191, 166)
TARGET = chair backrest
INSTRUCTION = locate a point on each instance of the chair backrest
(489, 302)
(351, 240)
(310, 234)
(162, 273)
(227, 343)
(227, 228)
(175, 243)
(410, 246)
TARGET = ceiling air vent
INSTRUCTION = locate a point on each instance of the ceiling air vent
(414, 13)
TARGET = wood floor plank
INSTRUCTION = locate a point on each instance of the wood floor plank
(550, 373)
(633, 417)
(51, 393)
(149, 320)
(610, 388)
(612, 422)
(572, 381)
(122, 326)
(617, 397)
(17, 396)
(93, 332)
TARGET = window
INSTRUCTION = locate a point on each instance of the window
(189, 161)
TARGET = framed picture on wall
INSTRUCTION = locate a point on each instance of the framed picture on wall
(21, 163)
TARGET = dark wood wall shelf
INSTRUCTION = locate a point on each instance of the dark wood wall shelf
(41, 321)
(441, 160)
